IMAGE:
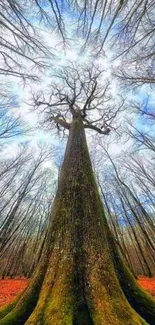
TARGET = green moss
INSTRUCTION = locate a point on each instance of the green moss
(7, 309)
(18, 311)
(80, 285)
(139, 299)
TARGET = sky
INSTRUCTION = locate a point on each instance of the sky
(31, 118)
(118, 143)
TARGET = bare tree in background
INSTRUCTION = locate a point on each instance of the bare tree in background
(25, 196)
(130, 195)
(21, 42)
(79, 258)
(127, 26)
(11, 124)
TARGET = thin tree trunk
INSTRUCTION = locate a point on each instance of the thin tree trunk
(80, 284)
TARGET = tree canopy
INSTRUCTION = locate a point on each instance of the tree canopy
(81, 227)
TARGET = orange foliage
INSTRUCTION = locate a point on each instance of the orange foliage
(147, 284)
(10, 288)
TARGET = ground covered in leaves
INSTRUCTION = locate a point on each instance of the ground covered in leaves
(10, 288)
(147, 284)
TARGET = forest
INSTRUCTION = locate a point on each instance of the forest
(77, 162)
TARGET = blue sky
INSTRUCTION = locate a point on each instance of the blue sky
(72, 52)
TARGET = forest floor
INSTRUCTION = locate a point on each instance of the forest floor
(147, 284)
(10, 288)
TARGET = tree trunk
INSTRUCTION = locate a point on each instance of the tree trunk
(76, 282)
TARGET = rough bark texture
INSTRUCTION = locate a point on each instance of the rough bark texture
(79, 279)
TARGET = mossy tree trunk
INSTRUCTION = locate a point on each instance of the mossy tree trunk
(81, 279)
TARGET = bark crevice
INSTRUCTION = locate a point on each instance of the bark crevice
(81, 282)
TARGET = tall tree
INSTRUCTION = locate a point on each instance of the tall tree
(10, 126)
(80, 278)
(22, 48)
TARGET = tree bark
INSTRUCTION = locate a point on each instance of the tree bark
(76, 282)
